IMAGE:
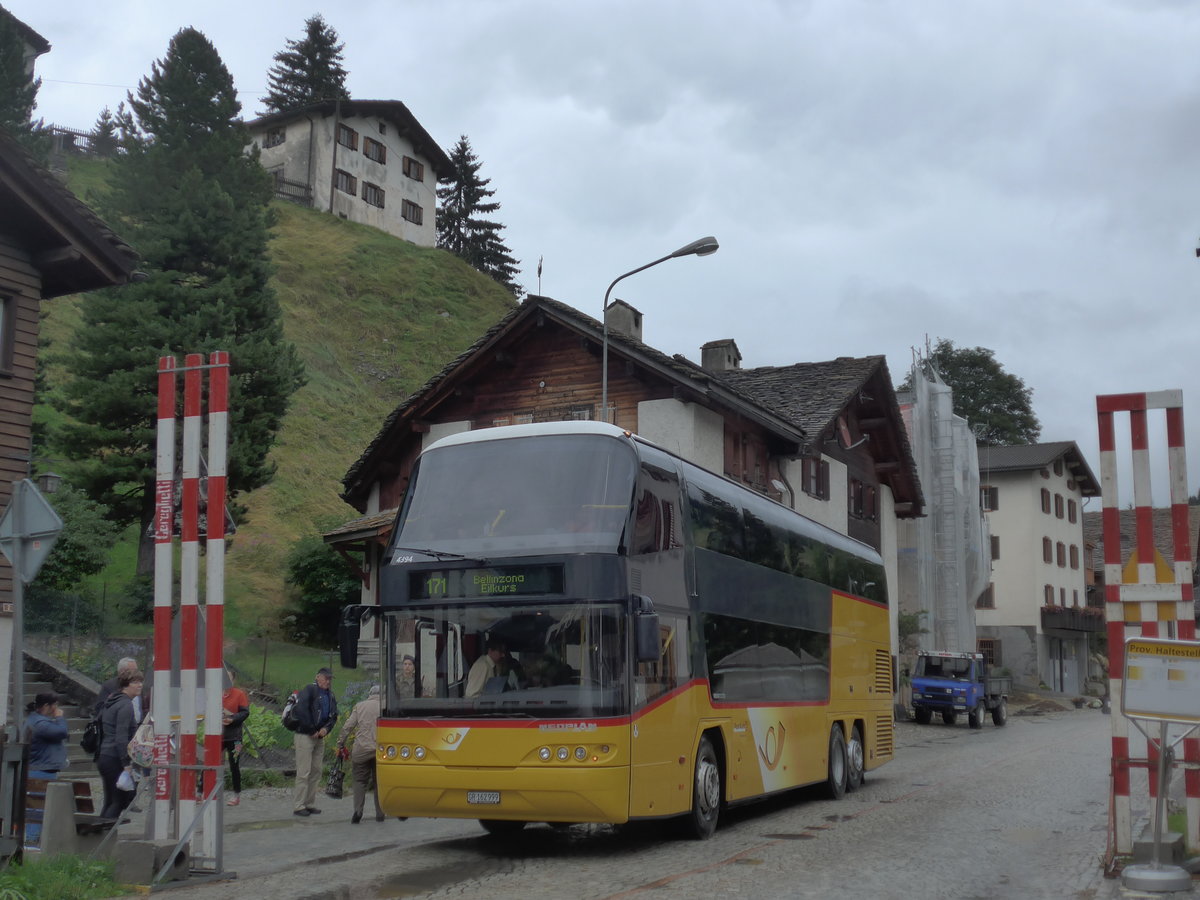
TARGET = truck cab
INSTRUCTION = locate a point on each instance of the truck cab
(948, 683)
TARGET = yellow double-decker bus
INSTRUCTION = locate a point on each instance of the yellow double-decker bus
(579, 626)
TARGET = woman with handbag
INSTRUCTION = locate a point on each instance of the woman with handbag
(118, 723)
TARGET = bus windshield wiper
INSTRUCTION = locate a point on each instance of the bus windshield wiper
(442, 554)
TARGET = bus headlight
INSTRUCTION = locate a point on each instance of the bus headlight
(390, 752)
(563, 754)
(581, 753)
(420, 752)
(544, 754)
(405, 752)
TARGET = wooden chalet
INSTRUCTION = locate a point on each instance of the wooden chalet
(823, 438)
(50, 245)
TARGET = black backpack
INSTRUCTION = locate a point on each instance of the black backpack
(288, 716)
(92, 733)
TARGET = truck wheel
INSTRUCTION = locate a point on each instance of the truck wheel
(976, 716)
(855, 760)
(950, 717)
(922, 715)
(836, 781)
(706, 793)
(1000, 713)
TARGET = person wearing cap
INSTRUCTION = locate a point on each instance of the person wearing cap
(316, 711)
(46, 734)
(359, 730)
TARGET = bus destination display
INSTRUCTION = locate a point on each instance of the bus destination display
(500, 581)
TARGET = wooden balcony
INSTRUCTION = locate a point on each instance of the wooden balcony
(1072, 618)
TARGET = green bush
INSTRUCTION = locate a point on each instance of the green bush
(60, 878)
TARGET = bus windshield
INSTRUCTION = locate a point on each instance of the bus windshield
(520, 496)
(480, 659)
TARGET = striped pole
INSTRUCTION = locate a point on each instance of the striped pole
(164, 528)
(189, 585)
(1146, 607)
(218, 430)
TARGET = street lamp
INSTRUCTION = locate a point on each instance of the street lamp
(705, 246)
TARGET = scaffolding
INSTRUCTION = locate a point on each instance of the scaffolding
(945, 557)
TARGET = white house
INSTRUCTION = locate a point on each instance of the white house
(1034, 618)
(368, 161)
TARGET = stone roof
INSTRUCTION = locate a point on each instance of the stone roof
(72, 248)
(392, 110)
(1025, 457)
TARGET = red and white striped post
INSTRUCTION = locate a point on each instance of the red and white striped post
(189, 585)
(1147, 607)
(214, 633)
(164, 531)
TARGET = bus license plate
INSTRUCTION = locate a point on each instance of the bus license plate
(489, 798)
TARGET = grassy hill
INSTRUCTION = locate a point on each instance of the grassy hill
(373, 317)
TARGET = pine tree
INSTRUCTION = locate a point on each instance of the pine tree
(197, 208)
(462, 203)
(104, 134)
(18, 87)
(308, 71)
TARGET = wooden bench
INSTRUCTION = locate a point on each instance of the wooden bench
(87, 819)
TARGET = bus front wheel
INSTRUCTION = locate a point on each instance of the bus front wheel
(706, 792)
(836, 782)
(502, 827)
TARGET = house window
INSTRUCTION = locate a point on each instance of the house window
(346, 182)
(1061, 554)
(814, 477)
(1047, 550)
(987, 600)
(347, 136)
(413, 169)
(1058, 467)
(1062, 596)
(1074, 557)
(1058, 505)
(995, 546)
(1075, 598)
(1049, 595)
(375, 151)
(275, 137)
(1072, 512)
(373, 194)
(1045, 501)
(861, 499)
(989, 498)
(990, 648)
(411, 212)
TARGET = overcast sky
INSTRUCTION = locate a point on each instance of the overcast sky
(1018, 175)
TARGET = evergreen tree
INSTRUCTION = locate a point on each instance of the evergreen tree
(104, 134)
(197, 209)
(308, 71)
(18, 87)
(461, 226)
(996, 404)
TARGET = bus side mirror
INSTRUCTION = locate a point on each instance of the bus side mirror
(349, 631)
(645, 635)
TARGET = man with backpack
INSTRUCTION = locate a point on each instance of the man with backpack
(315, 712)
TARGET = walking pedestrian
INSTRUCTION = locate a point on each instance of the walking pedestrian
(316, 712)
(235, 709)
(359, 731)
(117, 727)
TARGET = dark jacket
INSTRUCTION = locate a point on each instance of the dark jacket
(47, 742)
(308, 711)
(117, 727)
(233, 731)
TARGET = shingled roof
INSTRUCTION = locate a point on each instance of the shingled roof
(1023, 457)
(72, 249)
(797, 402)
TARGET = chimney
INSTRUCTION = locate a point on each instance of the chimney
(622, 317)
(720, 356)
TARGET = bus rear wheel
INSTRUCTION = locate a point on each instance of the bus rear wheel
(856, 755)
(706, 792)
(502, 827)
(836, 781)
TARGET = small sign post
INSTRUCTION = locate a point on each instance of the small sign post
(1161, 684)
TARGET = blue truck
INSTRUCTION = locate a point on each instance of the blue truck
(950, 683)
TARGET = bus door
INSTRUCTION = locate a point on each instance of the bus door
(663, 724)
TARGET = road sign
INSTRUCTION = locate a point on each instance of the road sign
(30, 522)
(1162, 680)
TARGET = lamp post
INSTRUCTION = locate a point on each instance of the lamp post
(705, 246)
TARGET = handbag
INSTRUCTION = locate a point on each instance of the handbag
(141, 747)
(92, 734)
(337, 776)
